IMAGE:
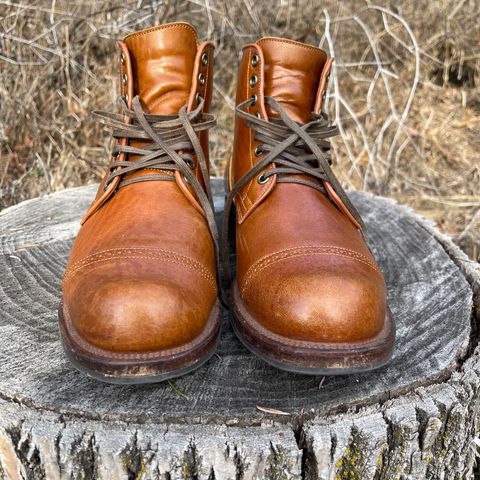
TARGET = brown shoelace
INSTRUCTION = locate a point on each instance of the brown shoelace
(171, 144)
(300, 154)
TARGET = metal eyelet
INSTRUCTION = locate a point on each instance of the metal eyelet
(324, 95)
(122, 58)
(258, 151)
(255, 60)
(257, 114)
(201, 79)
(191, 163)
(253, 80)
(198, 98)
(254, 99)
(124, 79)
(261, 179)
(204, 59)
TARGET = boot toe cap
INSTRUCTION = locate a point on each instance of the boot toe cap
(137, 314)
(328, 301)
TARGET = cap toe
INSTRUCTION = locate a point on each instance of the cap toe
(329, 300)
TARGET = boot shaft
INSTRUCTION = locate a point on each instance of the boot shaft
(166, 67)
(296, 76)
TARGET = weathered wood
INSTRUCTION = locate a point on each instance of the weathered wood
(413, 419)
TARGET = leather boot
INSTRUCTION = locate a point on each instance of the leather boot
(308, 295)
(140, 292)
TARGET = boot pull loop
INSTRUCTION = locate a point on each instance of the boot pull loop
(323, 85)
(126, 90)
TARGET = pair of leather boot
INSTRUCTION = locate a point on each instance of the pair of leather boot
(141, 291)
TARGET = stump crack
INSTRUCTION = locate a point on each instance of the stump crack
(309, 467)
(390, 462)
(190, 463)
(422, 421)
(239, 463)
(133, 459)
(27, 452)
(398, 424)
(84, 455)
(279, 464)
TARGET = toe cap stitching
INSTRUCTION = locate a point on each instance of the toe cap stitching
(278, 256)
(114, 254)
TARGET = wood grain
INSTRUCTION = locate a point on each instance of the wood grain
(399, 418)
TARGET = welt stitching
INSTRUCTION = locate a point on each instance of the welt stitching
(292, 342)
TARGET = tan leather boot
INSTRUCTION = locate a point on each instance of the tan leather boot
(308, 295)
(140, 292)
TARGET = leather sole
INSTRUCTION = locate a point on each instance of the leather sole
(139, 368)
(311, 358)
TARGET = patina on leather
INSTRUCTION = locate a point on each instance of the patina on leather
(304, 271)
(141, 277)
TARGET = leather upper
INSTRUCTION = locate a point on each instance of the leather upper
(292, 78)
(304, 270)
(141, 274)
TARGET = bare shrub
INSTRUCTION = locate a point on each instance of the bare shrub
(404, 91)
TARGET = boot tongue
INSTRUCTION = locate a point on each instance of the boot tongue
(162, 62)
(292, 73)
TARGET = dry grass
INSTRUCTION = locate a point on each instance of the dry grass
(404, 91)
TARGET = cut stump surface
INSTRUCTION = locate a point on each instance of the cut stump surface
(415, 418)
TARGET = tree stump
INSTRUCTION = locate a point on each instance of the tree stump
(413, 419)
